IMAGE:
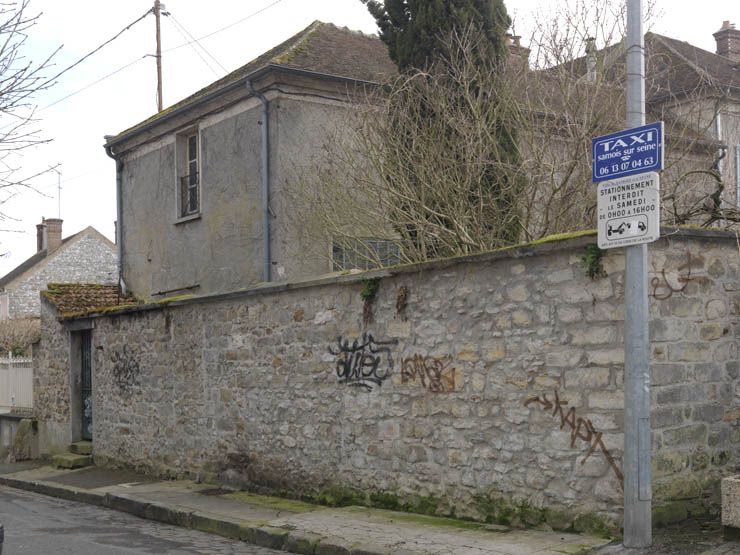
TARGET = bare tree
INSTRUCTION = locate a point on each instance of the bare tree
(17, 336)
(21, 79)
(396, 179)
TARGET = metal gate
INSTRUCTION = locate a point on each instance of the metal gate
(16, 383)
(86, 383)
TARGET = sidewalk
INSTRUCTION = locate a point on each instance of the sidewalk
(288, 525)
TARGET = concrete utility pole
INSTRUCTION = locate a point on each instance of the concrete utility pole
(157, 13)
(638, 527)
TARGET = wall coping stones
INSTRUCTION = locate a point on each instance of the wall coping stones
(546, 245)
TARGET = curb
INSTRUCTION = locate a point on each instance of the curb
(292, 541)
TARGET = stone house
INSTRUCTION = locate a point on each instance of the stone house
(699, 91)
(85, 257)
(203, 206)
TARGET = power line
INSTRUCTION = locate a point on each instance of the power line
(86, 56)
(111, 74)
(187, 35)
(78, 62)
(228, 26)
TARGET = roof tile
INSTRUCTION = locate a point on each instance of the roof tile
(321, 48)
(75, 299)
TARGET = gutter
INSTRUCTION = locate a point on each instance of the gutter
(119, 217)
(267, 257)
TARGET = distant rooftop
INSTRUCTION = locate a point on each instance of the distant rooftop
(321, 48)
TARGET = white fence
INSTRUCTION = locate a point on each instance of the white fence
(16, 382)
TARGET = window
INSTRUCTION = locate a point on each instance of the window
(364, 254)
(188, 175)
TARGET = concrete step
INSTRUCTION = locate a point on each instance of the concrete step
(71, 460)
(81, 448)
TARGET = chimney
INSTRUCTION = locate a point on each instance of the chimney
(728, 41)
(518, 54)
(591, 61)
(53, 235)
(41, 235)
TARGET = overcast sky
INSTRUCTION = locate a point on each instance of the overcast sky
(76, 125)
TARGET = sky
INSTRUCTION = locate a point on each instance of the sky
(115, 88)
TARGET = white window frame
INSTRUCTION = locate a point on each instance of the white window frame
(191, 169)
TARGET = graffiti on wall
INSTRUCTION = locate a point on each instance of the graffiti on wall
(580, 428)
(125, 369)
(662, 288)
(365, 362)
(433, 373)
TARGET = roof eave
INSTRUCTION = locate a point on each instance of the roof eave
(255, 75)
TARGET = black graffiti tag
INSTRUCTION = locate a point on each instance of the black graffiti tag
(359, 363)
(125, 369)
(580, 428)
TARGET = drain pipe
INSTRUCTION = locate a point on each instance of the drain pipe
(119, 217)
(267, 259)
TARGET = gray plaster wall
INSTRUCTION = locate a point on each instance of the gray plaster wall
(488, 382)
(305, 134)
(215, 251)
(222, 249)
(86, 259)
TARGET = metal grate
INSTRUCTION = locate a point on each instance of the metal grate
(364, 254)
(86, 382)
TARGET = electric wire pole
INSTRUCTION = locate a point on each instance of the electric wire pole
(157, 12)
(638, 529)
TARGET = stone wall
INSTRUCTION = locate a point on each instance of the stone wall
(88, 259)
(51, 382)
(488, 386)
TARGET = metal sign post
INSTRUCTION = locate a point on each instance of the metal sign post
(638, 529)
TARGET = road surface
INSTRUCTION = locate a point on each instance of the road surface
(40, 525)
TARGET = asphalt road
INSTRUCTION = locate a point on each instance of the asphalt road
(40, 525)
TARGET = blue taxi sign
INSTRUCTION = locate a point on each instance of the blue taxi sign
(629, 152)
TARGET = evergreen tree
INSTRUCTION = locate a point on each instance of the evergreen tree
(415, 30)
(426, 35)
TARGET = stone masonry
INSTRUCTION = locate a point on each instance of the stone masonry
(475, 385)
(90, 258)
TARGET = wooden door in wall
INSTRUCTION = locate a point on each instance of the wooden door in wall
(86, 383)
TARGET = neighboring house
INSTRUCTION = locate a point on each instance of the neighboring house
(85, 257)
(700, 90)
(703, 90)
(202, 185)
(201, 206)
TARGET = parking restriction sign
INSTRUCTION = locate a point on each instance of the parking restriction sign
(629, 211)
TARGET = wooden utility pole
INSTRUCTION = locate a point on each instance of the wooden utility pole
(157, 10)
